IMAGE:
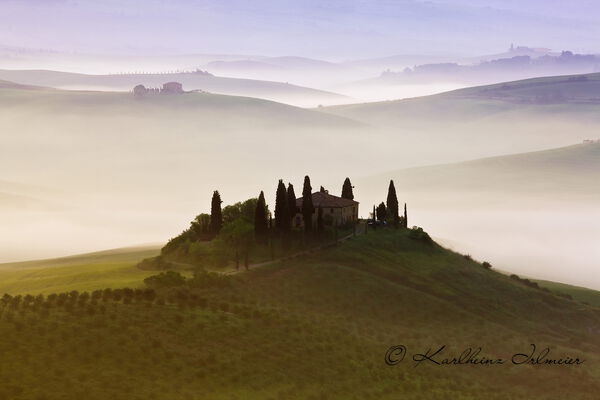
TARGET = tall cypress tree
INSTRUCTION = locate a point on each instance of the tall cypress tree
(405, 217)
(282, 215)
(291, 195)
(216, 216)
(392, 205)
(307, 205)
(347, 190)
(261, 227)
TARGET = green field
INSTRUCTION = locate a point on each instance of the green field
(100, 270)
(578, 293)
(316, 327)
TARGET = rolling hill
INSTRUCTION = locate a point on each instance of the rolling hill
(512, 117)
(567, 173)
(316, 327)
(275, 91)
(534, 213)
(538, 96)
(99, 270)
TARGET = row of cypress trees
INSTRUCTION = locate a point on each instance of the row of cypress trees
(285, 210)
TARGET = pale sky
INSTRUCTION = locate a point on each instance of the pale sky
(331, 29)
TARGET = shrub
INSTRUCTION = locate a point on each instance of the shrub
(203, 279)
(165, 279)
(417, 233)
(486, 265)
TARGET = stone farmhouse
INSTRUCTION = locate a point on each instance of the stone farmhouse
(340, 210)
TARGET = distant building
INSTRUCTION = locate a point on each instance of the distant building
(140, 90)
(167, 88)
(591, 141)
(172, 88)
(340, 210)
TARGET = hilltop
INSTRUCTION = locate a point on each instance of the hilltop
(313, 327)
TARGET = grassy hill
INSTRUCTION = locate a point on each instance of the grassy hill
(316, 327)
(92, 271)
(578, 293)
(533, 213)
(275, 91)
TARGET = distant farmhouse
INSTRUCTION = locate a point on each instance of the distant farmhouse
(167, 88)
(338, 209)
(591, 141)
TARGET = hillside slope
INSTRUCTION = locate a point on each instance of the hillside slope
(317, 327)
(512, 117)
(275, 91)
(99, 270)
(532, 213)
(564, 173)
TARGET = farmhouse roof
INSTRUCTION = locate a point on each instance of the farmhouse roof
(326, 200)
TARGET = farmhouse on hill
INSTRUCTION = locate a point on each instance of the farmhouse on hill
(167, 88)
(338, 209)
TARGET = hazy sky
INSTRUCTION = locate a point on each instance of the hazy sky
(334, 29)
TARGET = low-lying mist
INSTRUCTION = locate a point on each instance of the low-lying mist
(86, 171)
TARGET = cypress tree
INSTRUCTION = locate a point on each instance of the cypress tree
(282, 215)
(216, 216)
(307, 205)
(322, 189)
(347, 190)
(405, 217)
(381, 212)
(261, 227)
(392, 205)
(291, 195)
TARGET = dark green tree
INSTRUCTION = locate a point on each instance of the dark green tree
(308, 208)
(261, 224)
(347, 190)
(291, 195)
(216, 216)
(282, 215)
(392, 205)
(405, 217)
(381, 212)
(322, 190)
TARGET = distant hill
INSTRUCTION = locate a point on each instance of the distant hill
(276, 91)
(579, 89)
(568, 172)
(12, 85)
(519, 63)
